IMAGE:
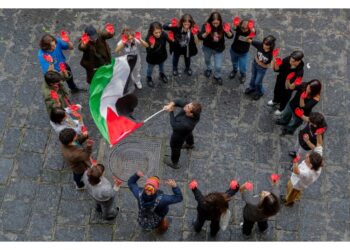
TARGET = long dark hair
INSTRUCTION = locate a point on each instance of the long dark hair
(154, 26)
(217, 201)
(317, 119)
(270, 205)
(57, 115)
(184, 18)
(216, 16)
(270, 41)
(315, 87)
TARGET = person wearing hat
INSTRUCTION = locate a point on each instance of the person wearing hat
(96, 51)
(153, 203)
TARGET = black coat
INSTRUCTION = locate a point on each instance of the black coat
(189, 51)
(158, 53)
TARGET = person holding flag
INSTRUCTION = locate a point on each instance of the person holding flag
(182, 124)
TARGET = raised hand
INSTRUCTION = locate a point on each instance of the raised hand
(48, 58)
(62, 66)
(251, 35)
(54, 95)
(248, 185)
(85, 38)
(233, 184)
(275, 178)
(125, 39)
(227, 27)
(275, 52)
(290, 75)
(250, 24)
(109, 28)
(298, 81)
(278, 61)
(195, 29)
(174, 22)
(306, 137)
(320, 131)
(207, 28)
(304, 95)
(64, 36)
(138, 35)
(299, 112)
(193, 184)
(152, 40)
(236, 21)
(171, 36)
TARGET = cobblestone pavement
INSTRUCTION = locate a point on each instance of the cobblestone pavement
(236, 137)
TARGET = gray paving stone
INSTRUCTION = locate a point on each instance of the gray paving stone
(100, 233)
(287, 235)
(73, 212)
(6, 166)
(126, 226)
(21, 189)
(47, 200)
(41, 227)
(338, 210)
(50, 176)
(289, 218)
(15, 216)
(35, 140)
(10, 142)
(313, 230)
(54, 161)
(29, 164)
(69, 233)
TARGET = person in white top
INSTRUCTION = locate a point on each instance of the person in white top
(304, 174)
(129, 45)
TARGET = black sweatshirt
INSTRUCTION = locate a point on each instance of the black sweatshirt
(239, 44)
(309, 102)
(158, 53)
(215, 40)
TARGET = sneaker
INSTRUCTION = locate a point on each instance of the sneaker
(150, 82)
(188, 71)
(79, 188)
(277, 112)
(163, 77)
(242, 79)
(175, 72)
(218, 80)
(248, 91)
(171, 164)
(257, 96)
(232, 74)
(138, 85)
(187, 146)
(207, 73)
(271, 103)
(77, 90)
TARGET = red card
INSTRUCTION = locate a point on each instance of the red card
(74, 107)
(48, 58)
(299, 112)
(275, 177)
(62, 66)
(304, 95)
(236, 21)
(227, 27)
(278, 61)
(84, 129)
(109, 28)
(125, 39)
(249, 186)
(171, 35)
(251, 35)
(85, 38)
(93, 162)
(233, 184)
(250, 24)
(296, 159)
(76, 114)
(64, 36)
(138, 35)
(275, 52)
(298, 81)
(193, 184)
(117, 181)
(195, 29)
(54, 95)
(320, 131)
(207, 28)
(152, 40)
(290, 75)
(174, 22)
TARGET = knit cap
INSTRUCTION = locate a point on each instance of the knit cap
(153, 181)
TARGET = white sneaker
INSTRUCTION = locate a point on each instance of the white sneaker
(277, 112)
(138, 85)
(271, 103)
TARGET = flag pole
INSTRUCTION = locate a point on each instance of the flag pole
(157, 113)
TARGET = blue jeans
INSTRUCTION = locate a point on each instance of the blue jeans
(77, 179)
(150, 68)
(239, 61)
(289, 118)
(176, 58)
(217, 60)
(258, 74)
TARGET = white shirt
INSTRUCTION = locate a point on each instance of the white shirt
(305, 178)
(131, 49)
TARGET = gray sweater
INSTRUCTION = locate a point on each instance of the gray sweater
(103, 191)
(251, 211)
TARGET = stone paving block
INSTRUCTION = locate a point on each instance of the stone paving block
(3, 121)
(287, 235)
(145, 236)
(7, 236)
(265, 150)
(15, 216)
(126, 200)
(41, 227)
(336, 180)
(338, 209)
(21, 189)
(288, 218)
(18, 117)
(100, 233)
(10, 142)
(338, 231)
(50, 176)
(316, 189)
(69, 233)
(193, 236)
(126, 226)
(25, 96)
(70, 193)
(7, 92)
(47, 200)
(35, 140)
(29, 164)
(313, 210)
(96, 218)
(174, 233)
(38, 118)
(73, 212)
(6, 166)
(313, 229)
(54, 161)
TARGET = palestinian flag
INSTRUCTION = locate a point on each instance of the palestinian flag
(110, 83)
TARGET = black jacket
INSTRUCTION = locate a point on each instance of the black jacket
(158, 53)
(189, 50)
(208, 41)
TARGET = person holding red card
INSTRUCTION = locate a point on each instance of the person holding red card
(285, 81)
(260, 207)
(240, 49)
(130, 45)
(51, 57)
(311, 136)
(156, 52)
(55, 94)
(307, 95)
(77, 156)
(184, 43)
(260, 64)
(213, 34)
(212, 206)
(303, 175)
(101, 190)
(96, 51)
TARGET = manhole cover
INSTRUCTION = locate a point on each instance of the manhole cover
(135, 154)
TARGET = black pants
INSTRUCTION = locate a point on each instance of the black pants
(214, 225)
(107, 208)
(126, 105)
(176, 143)
(248, 226)
(176, 58)
(70, 81)
(281, 95)
(77, 179)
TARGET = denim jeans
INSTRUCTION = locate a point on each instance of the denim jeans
(258, 74)
(290, 119)
(77, 179)
(150, 68)
(217, 60)
(176, 58)
(239, 61)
